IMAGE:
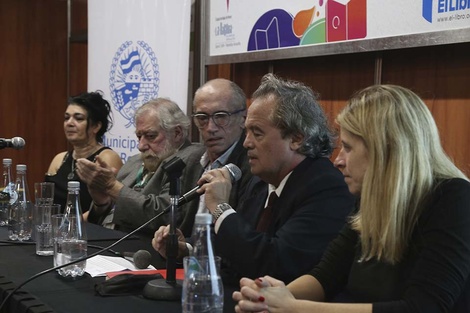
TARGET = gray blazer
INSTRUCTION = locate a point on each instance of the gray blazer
(133, 208)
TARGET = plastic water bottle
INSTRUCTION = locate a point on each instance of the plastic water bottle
(202, 286)
(70, 243)
(8, 194)
(20, 221)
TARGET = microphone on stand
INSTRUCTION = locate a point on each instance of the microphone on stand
(15, 143)
(171, 289)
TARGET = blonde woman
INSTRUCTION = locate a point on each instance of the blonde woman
(407, 247)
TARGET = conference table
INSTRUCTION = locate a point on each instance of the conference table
(54, 293)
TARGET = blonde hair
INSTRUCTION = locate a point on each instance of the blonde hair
(405, 161)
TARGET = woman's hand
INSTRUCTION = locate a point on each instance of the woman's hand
(264, 294)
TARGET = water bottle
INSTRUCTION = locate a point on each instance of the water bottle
(202, 286)
(8, 194)
(70, 243)
(20, 221)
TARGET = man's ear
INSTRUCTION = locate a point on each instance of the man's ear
(178, 133)
(242, 120)
(296, 141)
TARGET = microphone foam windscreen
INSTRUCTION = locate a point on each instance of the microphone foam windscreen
(142, 259)
(18, 142)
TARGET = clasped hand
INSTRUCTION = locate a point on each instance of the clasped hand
(264, 294)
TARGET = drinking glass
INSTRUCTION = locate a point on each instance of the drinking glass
(44, 193)
(43, 226)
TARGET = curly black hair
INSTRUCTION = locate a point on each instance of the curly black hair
(98, 109)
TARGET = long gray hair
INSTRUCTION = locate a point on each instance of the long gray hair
(298, 112)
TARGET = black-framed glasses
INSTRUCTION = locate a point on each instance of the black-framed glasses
(220, 118)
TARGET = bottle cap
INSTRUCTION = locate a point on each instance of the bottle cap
(21, 167)
(203, 218)
(73, 184)
(6, 161)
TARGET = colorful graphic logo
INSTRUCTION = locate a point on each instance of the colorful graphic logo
(133, 78)
(427, 10)
(445, 6)
(346, 20)
(273, 30)
(327, 21)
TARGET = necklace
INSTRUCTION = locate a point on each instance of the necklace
(71, 175)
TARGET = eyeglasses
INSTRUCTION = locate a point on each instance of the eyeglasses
(220, 118)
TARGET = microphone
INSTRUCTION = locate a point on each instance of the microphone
(141, 258)
(15, 143)
(235, 175)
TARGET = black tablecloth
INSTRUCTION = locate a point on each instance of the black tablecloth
(53, 293)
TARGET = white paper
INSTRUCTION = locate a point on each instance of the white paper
(100, 265)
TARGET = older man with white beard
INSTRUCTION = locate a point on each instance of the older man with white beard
(140, 190)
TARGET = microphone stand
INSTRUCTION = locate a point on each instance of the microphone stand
(170, 289)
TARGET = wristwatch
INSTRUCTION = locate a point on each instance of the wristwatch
(221, 208)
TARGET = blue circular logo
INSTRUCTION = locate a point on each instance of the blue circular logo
(133, 79)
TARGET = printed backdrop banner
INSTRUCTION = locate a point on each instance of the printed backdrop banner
(137, 50)
(238, 26)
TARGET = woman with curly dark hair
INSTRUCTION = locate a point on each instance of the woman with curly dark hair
(86, 119)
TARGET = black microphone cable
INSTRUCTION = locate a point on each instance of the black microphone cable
(26, 243)
(111, 251)
(168, 208)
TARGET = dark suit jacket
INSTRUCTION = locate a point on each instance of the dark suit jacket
(309, 213)
(133, 208)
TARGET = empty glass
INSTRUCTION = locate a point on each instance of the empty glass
(43, 225)
(44, 193)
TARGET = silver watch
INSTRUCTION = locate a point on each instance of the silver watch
(221, 208)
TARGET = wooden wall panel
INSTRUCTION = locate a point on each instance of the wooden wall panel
(78, 75)
(78, 68)
(218, 71)
(335, 78)
(248, 75)
(33, 89)
(441, 76)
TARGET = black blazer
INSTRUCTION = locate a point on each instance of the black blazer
(309, 213)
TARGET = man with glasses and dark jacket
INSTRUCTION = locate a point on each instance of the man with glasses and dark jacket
(219, 112)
